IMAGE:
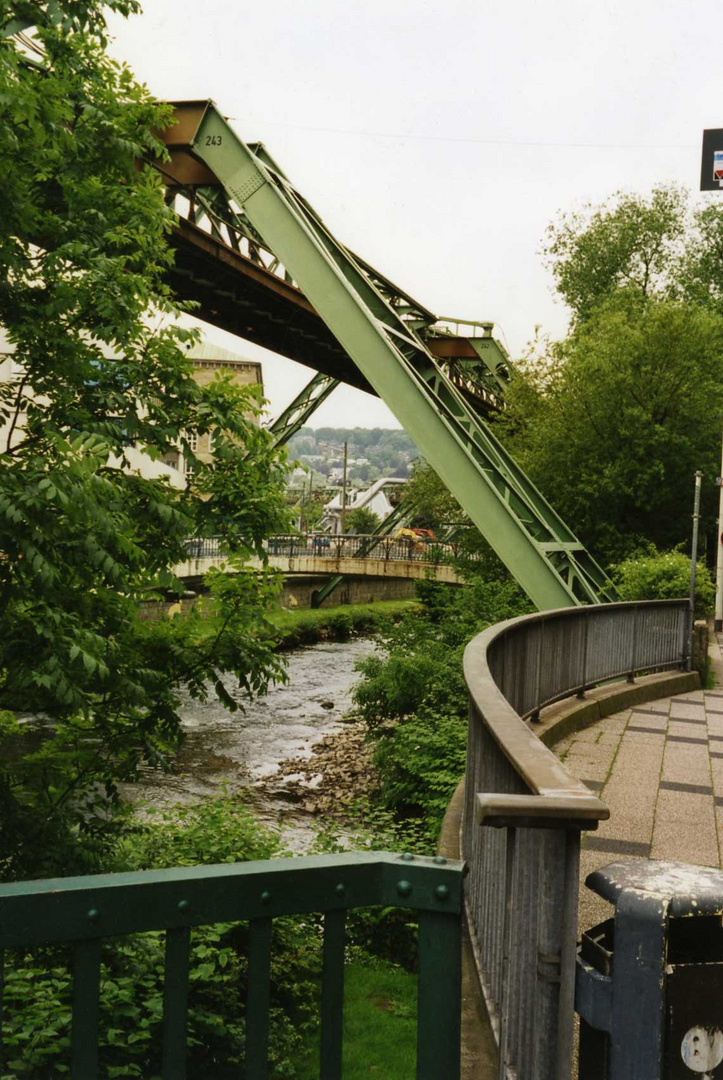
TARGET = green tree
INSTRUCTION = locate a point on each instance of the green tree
(613, 422)
(362, 520)
(630, 241)
(664, 575)
(101, 369)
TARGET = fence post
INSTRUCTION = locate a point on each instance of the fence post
(538, 672)
(510, 858)
(586, 617)
(633, 649)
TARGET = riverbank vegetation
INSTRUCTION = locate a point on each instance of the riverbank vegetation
(413, 699)
(101, 376)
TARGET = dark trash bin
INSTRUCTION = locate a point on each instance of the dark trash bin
(649, 986)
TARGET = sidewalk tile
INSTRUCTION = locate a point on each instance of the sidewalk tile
(686, 807)
(685, 842)
(685, 710)
(687, 764)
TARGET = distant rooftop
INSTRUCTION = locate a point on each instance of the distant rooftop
(206, 351)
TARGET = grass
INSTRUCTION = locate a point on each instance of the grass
(296, 625)
(304, 626)
(380, 1025)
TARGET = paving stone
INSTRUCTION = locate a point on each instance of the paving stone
(595, 771)
(687, 807)
(692, 710)
(688, 729)
(592, 908)
(685, 842)
(636, 800)
(676, 824)
(590, 752)
(627, 827)
(588, 735)
(686, 763)
(649, 720)
(716, 768)
(643, 733)
(643, 755)
(615, 725)
(609, 738)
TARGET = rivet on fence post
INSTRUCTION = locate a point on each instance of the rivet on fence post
(404, 888)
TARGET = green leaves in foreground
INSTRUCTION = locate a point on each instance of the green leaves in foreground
(97, 389)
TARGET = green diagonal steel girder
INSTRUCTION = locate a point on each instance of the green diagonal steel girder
(544, 556)
(295, 415)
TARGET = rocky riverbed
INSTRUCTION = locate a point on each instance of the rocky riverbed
(292, 753)
(338, 773)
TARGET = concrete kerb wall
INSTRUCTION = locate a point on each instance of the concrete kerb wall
(479, 1050)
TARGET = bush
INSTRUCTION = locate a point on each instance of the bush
(413, 697)
(664, 575)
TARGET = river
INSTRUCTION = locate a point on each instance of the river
(242, 750)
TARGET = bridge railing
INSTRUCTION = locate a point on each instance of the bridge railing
(354, 546)
(522, 890)
(83, 911)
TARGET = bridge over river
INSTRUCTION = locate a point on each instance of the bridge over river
(331, 557)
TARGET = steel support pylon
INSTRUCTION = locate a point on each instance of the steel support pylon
(545, 557)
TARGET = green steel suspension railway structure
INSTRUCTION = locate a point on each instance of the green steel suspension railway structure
(259, 261)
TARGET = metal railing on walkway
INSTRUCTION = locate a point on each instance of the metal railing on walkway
(85, 910)
(352, 546)
(522, 890)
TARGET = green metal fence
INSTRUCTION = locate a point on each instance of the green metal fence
(84, 910)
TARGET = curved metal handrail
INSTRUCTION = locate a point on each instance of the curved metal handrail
(523, 885)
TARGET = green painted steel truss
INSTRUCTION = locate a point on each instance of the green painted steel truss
(545, 557)
(295, 415)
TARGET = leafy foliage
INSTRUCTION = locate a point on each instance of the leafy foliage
(100, 373)
(362, 520)
(629, 241)
(613, 422)
(664, 575)
(414, 700)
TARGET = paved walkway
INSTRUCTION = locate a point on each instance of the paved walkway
(659, 768)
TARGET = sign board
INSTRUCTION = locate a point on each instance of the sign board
(711, 168)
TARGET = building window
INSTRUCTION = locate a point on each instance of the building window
(192, 439)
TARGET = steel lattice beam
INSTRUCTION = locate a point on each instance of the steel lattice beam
(295, 415)
(545, 557)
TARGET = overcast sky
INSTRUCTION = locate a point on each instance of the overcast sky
(439, 139)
